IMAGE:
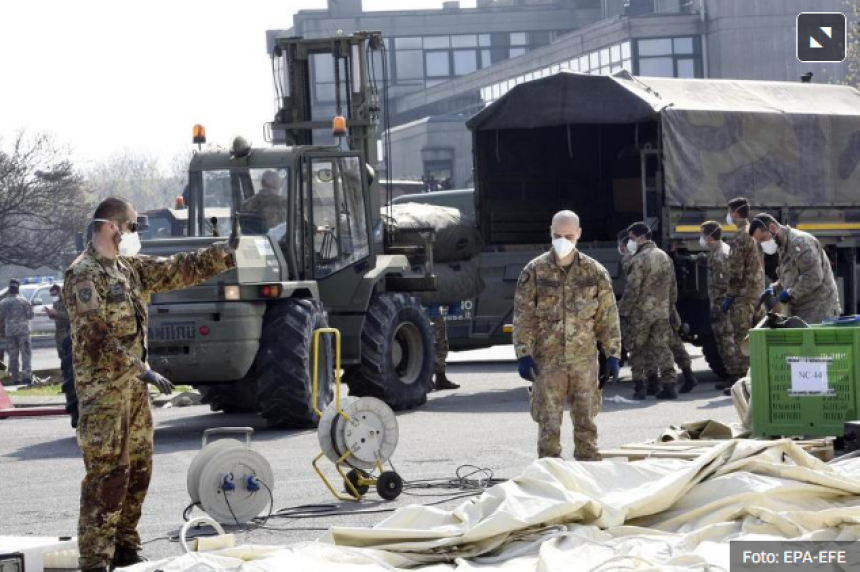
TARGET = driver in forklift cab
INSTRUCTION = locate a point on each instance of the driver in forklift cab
(269, 203)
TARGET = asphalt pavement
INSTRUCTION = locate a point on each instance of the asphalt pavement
(485, 423)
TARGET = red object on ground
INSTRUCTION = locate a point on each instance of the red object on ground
(7, 408)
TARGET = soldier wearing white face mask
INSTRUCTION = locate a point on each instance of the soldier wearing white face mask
(806, 282)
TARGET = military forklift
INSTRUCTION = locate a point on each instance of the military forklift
(314, 253)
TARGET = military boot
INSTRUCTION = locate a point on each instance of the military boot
(123, 557)
(690, 381)
(668, 391)
(653, 384)
(639, 390)
(443, 382)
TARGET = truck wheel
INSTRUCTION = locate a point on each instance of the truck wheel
(397, 353)
(284, 364)
(68, 385)
(713, 357)
(236, 397)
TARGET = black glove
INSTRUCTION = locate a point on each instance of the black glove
(162, 383)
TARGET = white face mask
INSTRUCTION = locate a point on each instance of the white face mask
(703, 242)
(632, 247)
(729, 219)
(129, 244)
(769, 246)
(55, 298)
(563, 246)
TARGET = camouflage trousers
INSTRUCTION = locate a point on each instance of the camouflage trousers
(115, 436)
(20, 358)
(575, 384)
(440, 336)
(727, 344)
(742, 315)
(679, 354)
(649, 342)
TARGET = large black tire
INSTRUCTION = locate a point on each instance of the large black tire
(68, 385)
(284, 366)
(713, 357)
(397, 353)
(237, 397)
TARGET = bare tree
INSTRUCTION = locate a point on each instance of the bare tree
(42, 202)
(138, 177)
(852, 43)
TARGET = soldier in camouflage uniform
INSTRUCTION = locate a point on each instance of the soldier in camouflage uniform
(17, 312)
(60, 316)
(806, 282)
(646, 307)
(676, 344)
(564, 306)
(746, 283)
(440, 337)
(268, 203)
(106, 292)
(719, 260)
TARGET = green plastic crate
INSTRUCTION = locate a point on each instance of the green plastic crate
(777, 412)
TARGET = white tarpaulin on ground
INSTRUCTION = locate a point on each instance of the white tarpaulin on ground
(656, 514)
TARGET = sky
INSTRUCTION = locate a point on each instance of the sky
(108, 75)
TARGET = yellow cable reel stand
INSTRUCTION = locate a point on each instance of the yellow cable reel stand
(358, 433)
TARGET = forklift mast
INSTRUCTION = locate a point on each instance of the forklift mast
(356, 96)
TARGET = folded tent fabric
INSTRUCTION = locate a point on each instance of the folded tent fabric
(657, 514)
(456, 236)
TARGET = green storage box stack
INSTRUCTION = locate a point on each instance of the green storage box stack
(786, 363)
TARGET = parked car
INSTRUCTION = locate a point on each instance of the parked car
(39, 295)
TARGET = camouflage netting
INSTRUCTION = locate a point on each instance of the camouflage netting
(457, 238)
(455, 282)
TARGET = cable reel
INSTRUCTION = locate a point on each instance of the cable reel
(356, 432)
(228, 480)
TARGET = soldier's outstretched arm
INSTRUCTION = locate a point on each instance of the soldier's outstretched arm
(810, 274)
(632, 290)
(525, 320)
(606, 323)
(182, 270)
(98, 342)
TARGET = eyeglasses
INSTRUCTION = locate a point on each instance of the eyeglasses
(133, 226)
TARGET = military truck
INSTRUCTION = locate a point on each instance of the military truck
(485, 320)
(314, 253)
(672, 152)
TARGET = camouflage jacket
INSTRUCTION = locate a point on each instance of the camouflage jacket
(805, 270)
(271, 207)
(107, 304)
(746, 266)
(651, 289)
(718, 274)
(16, 312)
(61, 320)
(560, 316)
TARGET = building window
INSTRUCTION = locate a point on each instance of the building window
(410, 64)
(465, 62)
(438, 64)
(669, 57)
(519, 39)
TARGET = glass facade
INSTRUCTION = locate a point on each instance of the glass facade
(656, 57)
(669, 57)
(604, 62)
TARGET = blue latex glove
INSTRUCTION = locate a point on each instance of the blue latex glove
(785, 296)
(727, 304)
(613, 367)
(433, 311)
(527, 368)
(455, 309)
(768, 292)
